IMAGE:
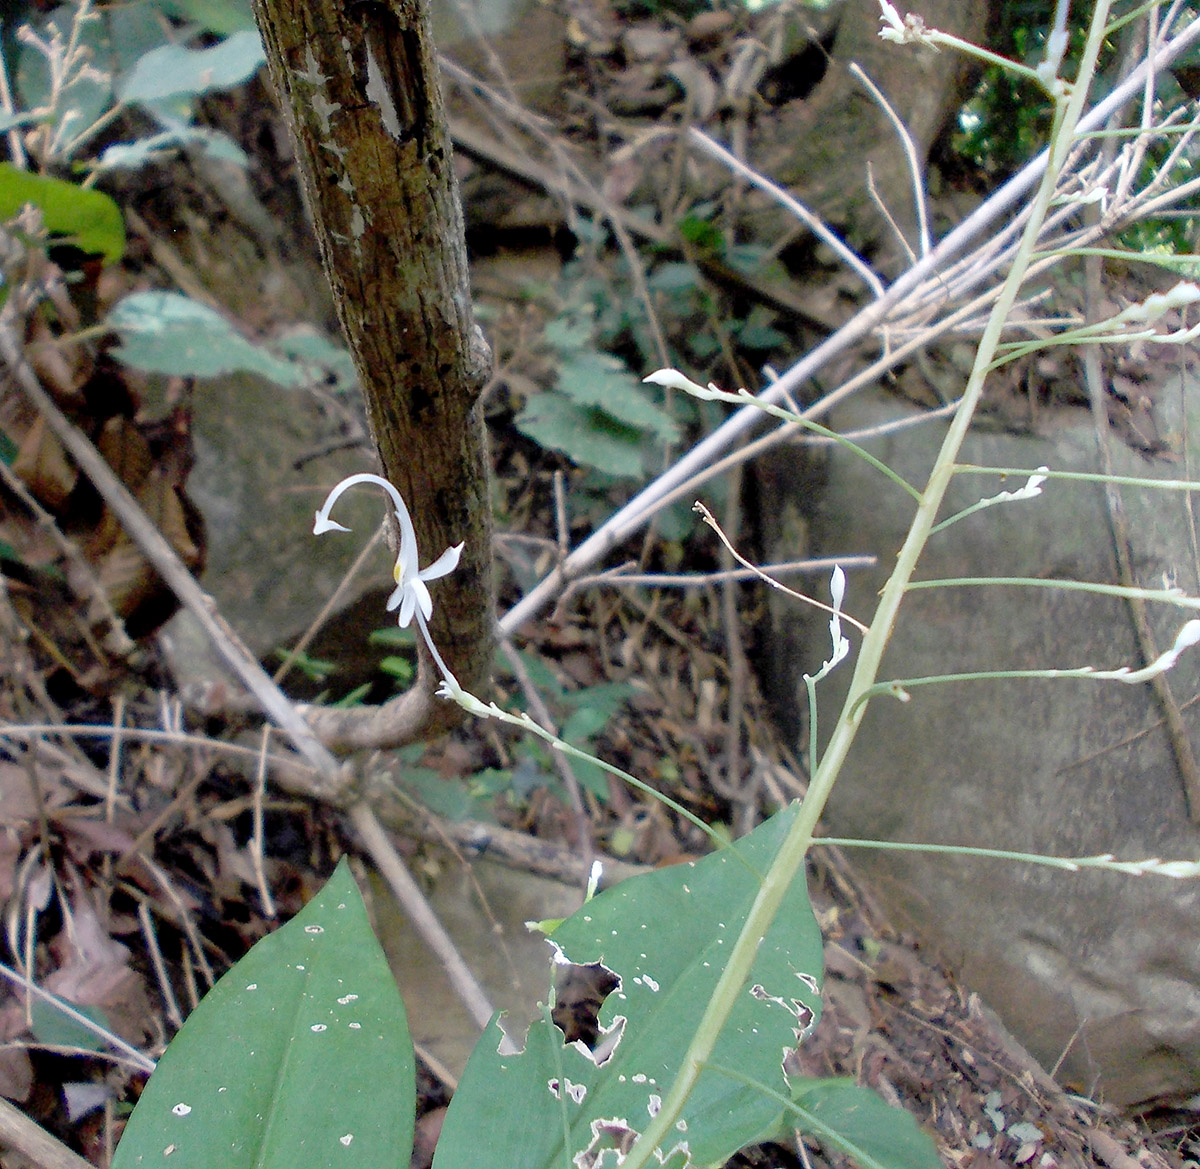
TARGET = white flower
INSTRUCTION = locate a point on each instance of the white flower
(411, 594)
(909, 31)
(841, 647)
(891, 18)
(1031, 490)
(672, 379)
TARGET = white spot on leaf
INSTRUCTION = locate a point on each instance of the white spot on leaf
(318, 1027)
(314, 929)
(345, 1140)
(181, 1109)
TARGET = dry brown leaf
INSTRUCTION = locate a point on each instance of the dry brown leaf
(95, 972)
(159, 497)
(124, 575)
(16, 1074)
(17, 805)
(42, 464)
(126, 451)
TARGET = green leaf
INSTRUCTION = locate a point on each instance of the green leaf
(164, 332)
(593, 778)
(130, 155)
(856, 1121)
(219, 16)
(12, 121)
(299, 1057)
(50, 1025)
(703, 233)
(571, 332)
(594, 706)
(674, 277)
(603, 383)
(583, 435)
(135, 27)
(327, 360)
(392, 635)
(173, 70)
(452, 799)
(85, 217)
(665, 935)
(396, 667)
(605, 695)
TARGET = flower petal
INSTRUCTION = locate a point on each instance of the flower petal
(444, 564)
(323, 524)
(422, 598)
(408, 603)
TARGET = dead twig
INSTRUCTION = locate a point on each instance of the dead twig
(920, 202)
(20, 1133)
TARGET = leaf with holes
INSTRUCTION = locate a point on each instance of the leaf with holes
(665, 935)
(299, 1056)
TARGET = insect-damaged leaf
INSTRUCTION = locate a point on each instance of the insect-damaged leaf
(666, 936)
(299, 1056)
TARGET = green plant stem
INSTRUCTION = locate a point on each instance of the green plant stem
(1072, 864)
(1068, 108)
(898, 687)
(1170, 596)
(946, 40)
(1083, 477)
(745, 398)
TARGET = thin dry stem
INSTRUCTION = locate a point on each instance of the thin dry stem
(150, 937)
(709, 519)
(824, 233)
(920, 202)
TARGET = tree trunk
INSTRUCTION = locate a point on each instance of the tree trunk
(358, 84)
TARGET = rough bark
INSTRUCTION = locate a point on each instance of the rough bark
(358, 85)
(821, 146)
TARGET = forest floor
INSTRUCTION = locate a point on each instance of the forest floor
(130, 861)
